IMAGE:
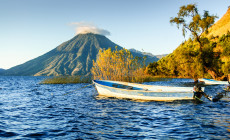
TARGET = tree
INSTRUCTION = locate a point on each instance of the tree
(152, 68)
(117, 65)
(190, 20)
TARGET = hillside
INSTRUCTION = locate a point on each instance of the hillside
(222, 26)
(73, 57)
(185, 60)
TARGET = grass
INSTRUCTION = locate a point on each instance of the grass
(88, 79)
(67, 80)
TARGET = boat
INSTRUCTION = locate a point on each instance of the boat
(136, 91)
(212, 81)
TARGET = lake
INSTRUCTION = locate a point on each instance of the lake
(29, 110)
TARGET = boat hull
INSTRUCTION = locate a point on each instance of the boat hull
(142, 94)
(213, 82)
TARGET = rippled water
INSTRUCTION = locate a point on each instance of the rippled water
(29, 110)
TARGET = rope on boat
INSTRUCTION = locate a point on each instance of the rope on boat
(77, 89)
(198, 99)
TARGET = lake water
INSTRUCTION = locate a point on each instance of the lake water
(29, 110)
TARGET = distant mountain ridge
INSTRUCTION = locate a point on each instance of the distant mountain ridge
(73, 57)
(142, 53)
(147, 53)
(161, 56)
(1, 70)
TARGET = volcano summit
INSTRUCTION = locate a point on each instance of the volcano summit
(73, 57)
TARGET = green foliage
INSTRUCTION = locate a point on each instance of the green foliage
(152, 68)
(197, 24)
(184, 61)
(225, 42)
(198, 58)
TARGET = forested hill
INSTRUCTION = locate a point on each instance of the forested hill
(73, 57)
(185, 61)
(222, 26)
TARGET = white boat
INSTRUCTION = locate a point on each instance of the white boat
(142, 92)
(213, 82)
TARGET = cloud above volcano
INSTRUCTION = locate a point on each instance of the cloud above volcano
(84, 28)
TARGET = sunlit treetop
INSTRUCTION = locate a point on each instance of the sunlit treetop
(190, 20)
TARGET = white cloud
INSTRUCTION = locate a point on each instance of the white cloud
(84, 28)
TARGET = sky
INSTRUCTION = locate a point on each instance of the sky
(30, 28)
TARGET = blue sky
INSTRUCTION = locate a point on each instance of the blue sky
(30, 28)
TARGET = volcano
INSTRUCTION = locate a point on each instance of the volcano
(73, 57)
